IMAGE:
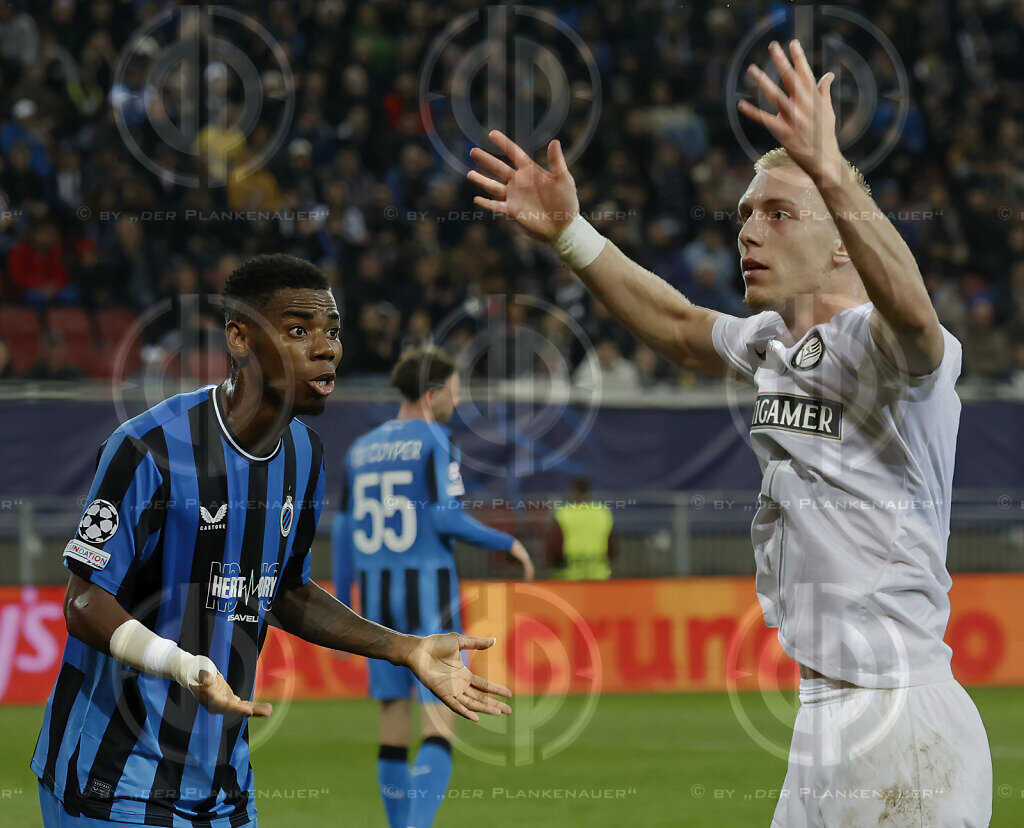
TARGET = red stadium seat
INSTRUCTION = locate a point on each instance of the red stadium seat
(114, 324)
(75, 325)
(121, 341)
(206, 366)
(21, 330)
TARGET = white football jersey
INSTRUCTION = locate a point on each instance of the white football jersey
(853, 514)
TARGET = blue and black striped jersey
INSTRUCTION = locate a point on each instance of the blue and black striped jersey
(194, 537)
(400, 515)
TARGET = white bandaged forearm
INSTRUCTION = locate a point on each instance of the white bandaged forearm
(143, 649)
(579, 243)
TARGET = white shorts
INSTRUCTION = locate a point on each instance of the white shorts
(913, 756)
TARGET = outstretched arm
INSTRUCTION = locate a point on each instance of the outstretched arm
(314, 615)
(544, 203)
(450, 519)
(904, 323)
(95, 618)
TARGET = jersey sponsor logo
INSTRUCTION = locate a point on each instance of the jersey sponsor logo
(89, 555)
(810, 353)
(455, 485)
(228, 585)
(99, 522)
(287, 511)
(213, 520)
(805, 415)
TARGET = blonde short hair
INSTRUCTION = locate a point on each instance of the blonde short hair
(778, 157)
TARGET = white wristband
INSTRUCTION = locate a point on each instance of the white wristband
(143, 649)
(579, 243)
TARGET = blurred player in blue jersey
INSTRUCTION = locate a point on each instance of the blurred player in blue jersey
(396, 529)
(197, 534)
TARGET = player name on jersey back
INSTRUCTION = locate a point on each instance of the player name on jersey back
(383, 452)
(806, 415)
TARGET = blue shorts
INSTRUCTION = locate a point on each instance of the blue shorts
(54, 815)
(414, 601)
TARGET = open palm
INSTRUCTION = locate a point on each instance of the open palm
(436, 660)
(805, 124)
(216, 695)
(542, 202)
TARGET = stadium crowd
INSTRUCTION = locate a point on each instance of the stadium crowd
(90, 238)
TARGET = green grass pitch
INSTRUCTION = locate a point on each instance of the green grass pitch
(646, 760)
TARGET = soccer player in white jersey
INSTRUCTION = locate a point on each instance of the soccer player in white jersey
(855, 429)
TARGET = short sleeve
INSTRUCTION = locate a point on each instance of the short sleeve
(122, 519)
(447, 470)
(919, 386)
(296, 571)
(741, 342)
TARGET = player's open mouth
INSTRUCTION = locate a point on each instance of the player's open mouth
(752, 266)
(324, 384)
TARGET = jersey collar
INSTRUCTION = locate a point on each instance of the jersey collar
(222, 422)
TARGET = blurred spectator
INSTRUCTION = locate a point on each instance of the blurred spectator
(36, 267)
(6, 366)
(19, 35)
(391, 222)
(193, 319)
(130, 273)
(710, 249)
(374, 344)
(23, 128)
(219, 144)
(473, 256)
(653, 370)
(22, 184)
(1017, 377)
(418, 330)
(251, 187)
(662, 252)
(986, 348)
(706, 289)
(606, 369)
(53, 361)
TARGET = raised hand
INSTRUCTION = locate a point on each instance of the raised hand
(806, 122)
(216, 695)
(541, 201)
(436, 661)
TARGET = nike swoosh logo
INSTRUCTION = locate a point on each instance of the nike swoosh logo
(420, 770)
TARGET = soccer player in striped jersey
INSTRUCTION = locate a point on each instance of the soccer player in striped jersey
(196, 536)
(396, 529)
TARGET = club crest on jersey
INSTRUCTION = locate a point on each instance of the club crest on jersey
(804, 415)
(287, 511)
(213, 520)
(810, 353)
